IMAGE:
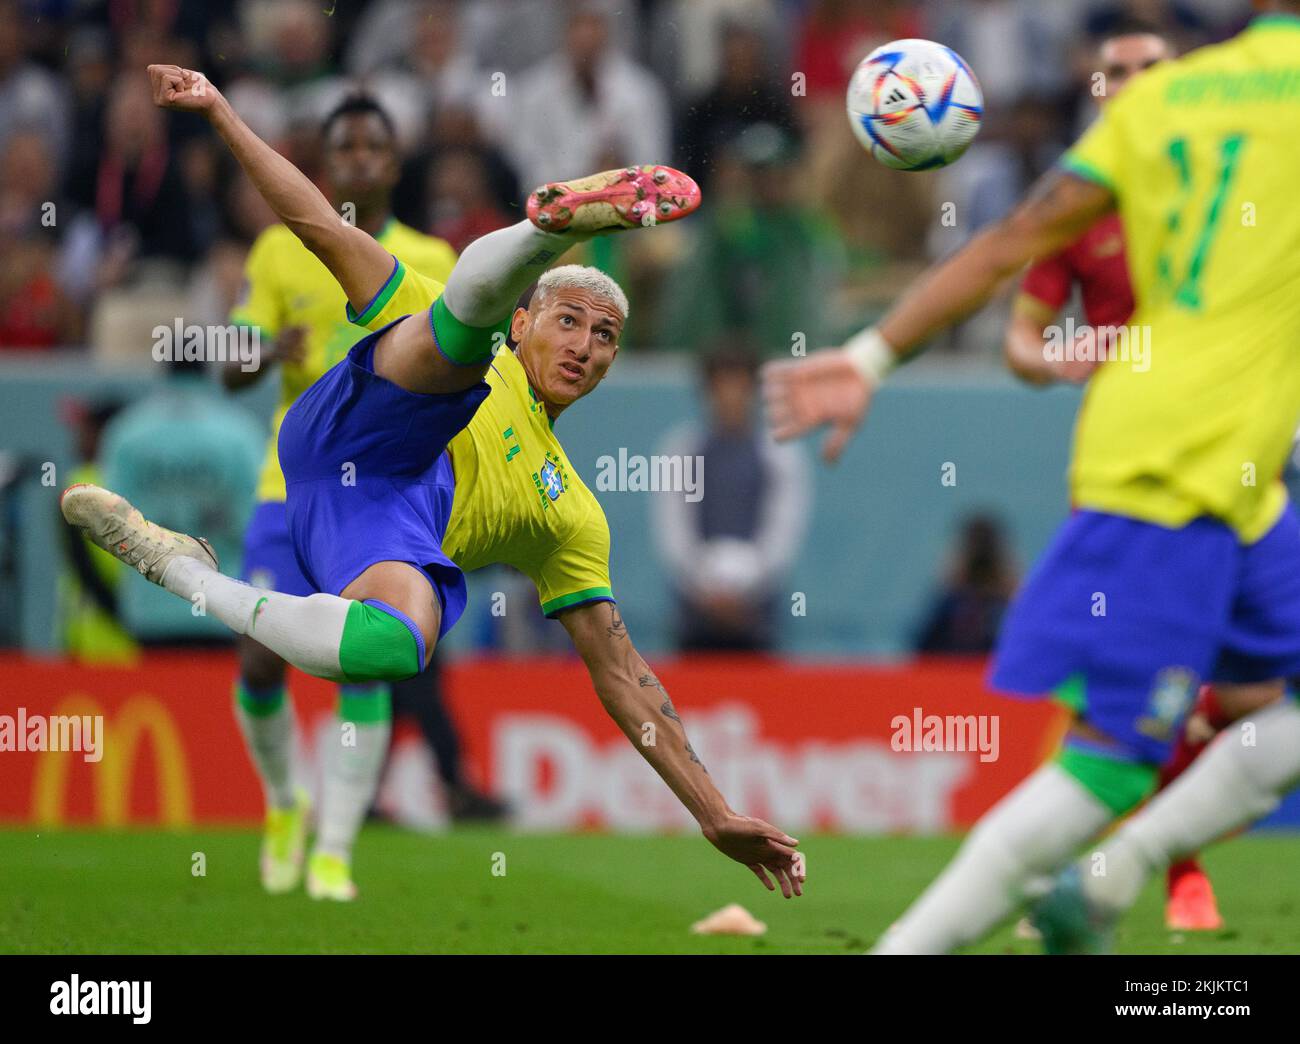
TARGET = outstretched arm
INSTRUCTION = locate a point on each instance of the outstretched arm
(360, 264)
(641, 707)
(834, 387)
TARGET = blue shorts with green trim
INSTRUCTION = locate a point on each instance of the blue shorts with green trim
(1142, 614)
(369, 478)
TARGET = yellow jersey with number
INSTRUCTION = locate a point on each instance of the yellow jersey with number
(1202, 155)
(518, 501)
(286, 285)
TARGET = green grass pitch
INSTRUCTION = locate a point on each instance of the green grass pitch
(134, 892)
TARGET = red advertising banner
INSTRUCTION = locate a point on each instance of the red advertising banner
(920, 748)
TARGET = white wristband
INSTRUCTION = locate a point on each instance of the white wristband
(871, 354)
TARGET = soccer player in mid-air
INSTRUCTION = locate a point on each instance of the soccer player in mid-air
(296, 306)
(404, 465)
(1182, 560)
(1096, 264)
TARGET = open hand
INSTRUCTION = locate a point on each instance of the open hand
(764, 849)
(824, 390)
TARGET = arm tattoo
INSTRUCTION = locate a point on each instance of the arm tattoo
(616, 628)
(647, 681)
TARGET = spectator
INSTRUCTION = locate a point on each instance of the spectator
(455, 128)
(840, 33)
(89, 68)
(687, 38)
(30, 97)
(89, 624)
(428, 67)
(987, 32)
(746, 93)
(764, 264)
(188, 457)
(583, 109)
(966, 614)
(134, 207)
(462, 207)
(34, 311)
(727, 552)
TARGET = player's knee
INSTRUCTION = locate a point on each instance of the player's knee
(383, 643)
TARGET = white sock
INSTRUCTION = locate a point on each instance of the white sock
(1029, 833)
(270, 744)
(352, 766)
(495, 269)
(306, 632)
(1239, 778)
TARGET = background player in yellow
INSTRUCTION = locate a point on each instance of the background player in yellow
(1182, 561)
(299, 312)
(371, 486)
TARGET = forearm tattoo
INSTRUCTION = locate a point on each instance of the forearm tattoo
(616, 627)
(647, 681)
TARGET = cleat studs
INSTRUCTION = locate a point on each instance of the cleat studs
(544, 218)
(665, 207)
(661, 176)
(630, 173)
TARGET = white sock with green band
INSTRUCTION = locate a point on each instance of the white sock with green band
(1029, 833)
(495, 269)
(266, 720)
(1241, 776)
(330, 637)
(352, 764)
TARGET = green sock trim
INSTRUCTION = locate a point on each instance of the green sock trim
(263, 705)
(1117, 784)
(365, 704)
(376, 646)
(1072, 693)
(465, 345)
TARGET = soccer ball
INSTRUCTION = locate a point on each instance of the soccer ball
(914, 104)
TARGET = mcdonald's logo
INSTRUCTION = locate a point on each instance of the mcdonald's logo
(111, 777)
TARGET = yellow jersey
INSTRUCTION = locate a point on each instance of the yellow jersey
(287, 285)
(518, 500)
(1201, 155)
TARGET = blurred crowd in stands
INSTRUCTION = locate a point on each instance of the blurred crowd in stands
(115, 215)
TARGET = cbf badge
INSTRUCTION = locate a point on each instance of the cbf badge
(552, 480)
(1171, 698)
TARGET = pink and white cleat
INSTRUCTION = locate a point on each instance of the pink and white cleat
(632, 197)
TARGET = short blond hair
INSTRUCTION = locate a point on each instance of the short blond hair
(581, 277)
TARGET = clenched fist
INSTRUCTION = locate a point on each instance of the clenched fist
(182, 89)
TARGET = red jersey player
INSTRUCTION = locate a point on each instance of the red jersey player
(1096, 263)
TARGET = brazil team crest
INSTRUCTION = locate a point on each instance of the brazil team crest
(550, 480)
(1171, 698)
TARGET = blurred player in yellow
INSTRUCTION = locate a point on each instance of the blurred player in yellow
(1182, 559)
(427, 452)
(1097, 265)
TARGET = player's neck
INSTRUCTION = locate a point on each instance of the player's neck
(553, 410)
